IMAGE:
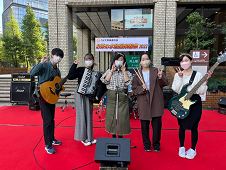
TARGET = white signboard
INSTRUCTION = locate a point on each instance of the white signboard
(203, 70)
(121, 44)
(196, 54)
(138, 21)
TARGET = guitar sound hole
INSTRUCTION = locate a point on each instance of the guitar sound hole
(57, 86)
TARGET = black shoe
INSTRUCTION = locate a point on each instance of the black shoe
(147, 149)
(157, 149)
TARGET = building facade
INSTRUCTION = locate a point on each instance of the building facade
(100, 18)
(40, 8)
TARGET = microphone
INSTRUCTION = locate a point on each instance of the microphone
(118, 67)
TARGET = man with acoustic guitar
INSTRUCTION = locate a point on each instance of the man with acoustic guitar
(47, 71)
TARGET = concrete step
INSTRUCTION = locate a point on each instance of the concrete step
(5, 85)
(5, 99)
(4, 92)
(4, 95)
(5, 89)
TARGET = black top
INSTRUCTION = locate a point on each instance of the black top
(76, 73)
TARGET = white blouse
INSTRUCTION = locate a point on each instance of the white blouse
(178, 83)
(146, 79)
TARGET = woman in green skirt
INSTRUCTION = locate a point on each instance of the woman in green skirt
(117, 76)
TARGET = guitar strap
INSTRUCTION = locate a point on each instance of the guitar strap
(192, 77)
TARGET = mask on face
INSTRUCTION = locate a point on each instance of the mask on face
(57, 59)
(89, 63)
(118, 64)
(185, 65)
(145, 63)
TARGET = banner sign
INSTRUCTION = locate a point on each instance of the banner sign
(138, 21)
(121, 44)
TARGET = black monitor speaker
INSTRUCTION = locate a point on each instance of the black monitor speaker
(222, 102)
(113, 151)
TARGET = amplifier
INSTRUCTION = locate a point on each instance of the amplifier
(20, 92)
(22, 77)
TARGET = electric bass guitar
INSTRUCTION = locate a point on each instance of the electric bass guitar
(179, 106)
(49, 92)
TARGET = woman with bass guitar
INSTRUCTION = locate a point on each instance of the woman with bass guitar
(191, 122)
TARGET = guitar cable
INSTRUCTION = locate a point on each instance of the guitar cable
(41, 139)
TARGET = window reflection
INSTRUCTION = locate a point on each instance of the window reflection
(117, 19)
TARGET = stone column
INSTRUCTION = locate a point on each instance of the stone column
(164, 33)
(61, 32)
(83, 44)
(95, 53)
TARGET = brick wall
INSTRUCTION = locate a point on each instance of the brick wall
(212, 99)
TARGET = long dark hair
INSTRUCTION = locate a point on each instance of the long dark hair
(116, 57)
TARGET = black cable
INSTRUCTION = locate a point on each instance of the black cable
(11, 107)
(84, 165)
(41, 139)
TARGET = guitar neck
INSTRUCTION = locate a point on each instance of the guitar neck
(195, 88)
(63, 81)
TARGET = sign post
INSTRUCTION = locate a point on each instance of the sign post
(200, 63)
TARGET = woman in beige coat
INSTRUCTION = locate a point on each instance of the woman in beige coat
(150, 101)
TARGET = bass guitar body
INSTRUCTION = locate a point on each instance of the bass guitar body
(179, 106)
(49, 92)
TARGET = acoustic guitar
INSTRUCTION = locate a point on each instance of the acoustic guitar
(49, 92)
(179, 106)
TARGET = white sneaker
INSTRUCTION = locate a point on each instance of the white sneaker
(182, 152)
(190, 154)
(86, 143)
(94, 141)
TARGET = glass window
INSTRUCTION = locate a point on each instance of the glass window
(212, 13)
(117, 19)
(138, 18)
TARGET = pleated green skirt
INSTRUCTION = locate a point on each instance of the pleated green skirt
(110, 121)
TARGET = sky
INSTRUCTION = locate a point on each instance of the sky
(1, 11)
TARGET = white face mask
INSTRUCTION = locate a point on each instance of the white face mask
(118, 64)
(56, 59)
(145, 63)
(185, 65)
(89, 63)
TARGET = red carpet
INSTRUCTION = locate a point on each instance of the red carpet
(21, 130)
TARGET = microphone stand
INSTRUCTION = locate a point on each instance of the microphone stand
(117, 107)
